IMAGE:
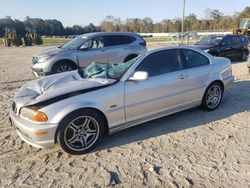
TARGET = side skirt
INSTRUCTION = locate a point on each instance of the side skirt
(151, 117)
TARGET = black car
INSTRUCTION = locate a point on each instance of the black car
(230, 46)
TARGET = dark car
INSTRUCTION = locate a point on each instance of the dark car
(230, 46)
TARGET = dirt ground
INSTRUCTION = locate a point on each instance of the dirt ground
(193, 148)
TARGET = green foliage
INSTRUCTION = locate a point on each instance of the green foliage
(245, 13)
(48, 27)
(51, 41)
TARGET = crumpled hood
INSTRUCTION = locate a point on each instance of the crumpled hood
(52, 86)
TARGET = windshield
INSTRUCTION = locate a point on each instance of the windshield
(210, 40)
(75, 43)
(106, 70)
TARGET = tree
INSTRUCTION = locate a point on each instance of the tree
(245, 13)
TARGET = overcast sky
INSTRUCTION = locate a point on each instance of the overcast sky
(82, 12)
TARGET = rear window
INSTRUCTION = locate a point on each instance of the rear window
(116, 40)
(194, 59)
(236, 40)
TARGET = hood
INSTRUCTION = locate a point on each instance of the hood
(205, 47)
(56, 85)
(51, 51)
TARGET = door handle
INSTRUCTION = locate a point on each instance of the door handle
(182, 76)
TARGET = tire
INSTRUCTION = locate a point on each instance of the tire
(244, 56)
(212, 97)
(128, 58)
(63, 67)
(80, 131)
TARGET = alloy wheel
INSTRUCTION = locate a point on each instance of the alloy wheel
(213, 96)
(64, 68)
(81, 133)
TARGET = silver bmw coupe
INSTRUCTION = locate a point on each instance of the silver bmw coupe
(76, 109)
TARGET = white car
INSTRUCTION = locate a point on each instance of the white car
(115, 47)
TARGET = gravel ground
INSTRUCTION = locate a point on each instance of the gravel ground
(193, 148)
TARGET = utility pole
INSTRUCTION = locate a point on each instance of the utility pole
(182, 24)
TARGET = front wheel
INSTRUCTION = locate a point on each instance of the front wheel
(244, 56)
(63, 67)
(212, 97)
(80, 131)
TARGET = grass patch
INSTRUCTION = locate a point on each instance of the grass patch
(1, 42)
(51, 41)
(157, 39)
(47, 41)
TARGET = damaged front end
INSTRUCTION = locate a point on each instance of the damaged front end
(28, 113)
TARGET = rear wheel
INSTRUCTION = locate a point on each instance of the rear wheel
(212, 96)
(244, 56)
(80, 131)
(63, 67)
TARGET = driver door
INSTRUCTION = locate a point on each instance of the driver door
(92, 50)
(163, 91)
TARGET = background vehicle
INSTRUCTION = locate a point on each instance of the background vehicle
(244, 28)
(230, 46)
(115, 47)
(31, 37)
(11, 38)
(104, 98)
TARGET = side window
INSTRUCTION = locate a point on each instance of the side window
(194, 59)
(243, 39)
(97, 42)
(227, 41)
(116, 40)
(161, 62)
(236, 40)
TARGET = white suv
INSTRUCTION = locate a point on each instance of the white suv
(115, 47)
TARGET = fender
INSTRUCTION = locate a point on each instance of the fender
(57, 116)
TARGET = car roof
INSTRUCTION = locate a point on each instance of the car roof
(175, 47)
(221, 35)
(108, 33)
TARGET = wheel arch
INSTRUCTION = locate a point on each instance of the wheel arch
(100, 113)
(219, 82)
(62, 61)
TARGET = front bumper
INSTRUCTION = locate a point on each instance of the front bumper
(26, 130)
(40, 68)
(37, 72)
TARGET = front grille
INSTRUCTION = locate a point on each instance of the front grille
(14, 109)
(34, 60)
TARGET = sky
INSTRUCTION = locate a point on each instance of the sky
(83, 12)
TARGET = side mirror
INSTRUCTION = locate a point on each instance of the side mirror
(223, 44)
(139, 76)
(84, 48)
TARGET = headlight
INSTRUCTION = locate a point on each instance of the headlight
(206, 50)
(45, 58)
(33, 115)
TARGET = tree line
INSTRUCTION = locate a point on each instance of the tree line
(49, 27)
(213, 20)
